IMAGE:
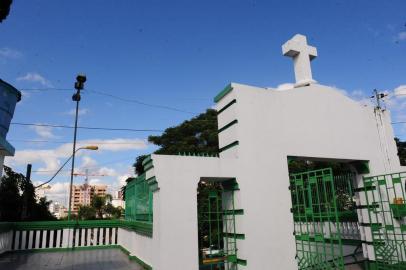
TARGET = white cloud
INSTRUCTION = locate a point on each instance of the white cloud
(88, 162)
(402, 35)
(80, 112)
(94, 181)
(44, 132)
(106, 171)
(121, 179)
(35, 78)
(52, 159)
(10, 53)
(400, 91)
(59, 192)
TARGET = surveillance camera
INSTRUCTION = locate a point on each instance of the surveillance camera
(81, 78)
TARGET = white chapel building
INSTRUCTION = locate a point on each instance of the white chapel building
(267, 217)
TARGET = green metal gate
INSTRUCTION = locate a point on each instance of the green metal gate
(316, 216)
(386, 200)
(217, 237)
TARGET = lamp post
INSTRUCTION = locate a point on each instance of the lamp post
(79, 84)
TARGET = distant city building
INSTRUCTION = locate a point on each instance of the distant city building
(55, 208)
(62, 213)
(83, 194)
(117, 200)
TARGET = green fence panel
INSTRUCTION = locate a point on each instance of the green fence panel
(138, 200)
(387, 219)
(316, 215)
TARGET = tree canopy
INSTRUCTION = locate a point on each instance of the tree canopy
(18, 200)
(99, 208)
(197, 135)
(4, 9)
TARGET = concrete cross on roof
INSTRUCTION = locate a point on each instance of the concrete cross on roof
(302, 54)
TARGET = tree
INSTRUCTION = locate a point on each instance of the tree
(98, 203)
(113, 212)
(18, 199)
(198, 135)
(139, 169)
(86, 212)
(401, 151)
(4, 9)
(10, 198)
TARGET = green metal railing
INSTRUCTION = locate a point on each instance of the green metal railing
(144, 228)
(385, 196)
(138, 197)
(316, 215)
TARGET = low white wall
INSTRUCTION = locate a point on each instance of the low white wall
(5, 241)
(138, 245)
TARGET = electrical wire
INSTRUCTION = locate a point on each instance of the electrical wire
(138, 102)
(85, 127)
(62, 142)
(101, 93)
(38, 90)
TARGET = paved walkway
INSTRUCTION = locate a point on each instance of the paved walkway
(101, 259)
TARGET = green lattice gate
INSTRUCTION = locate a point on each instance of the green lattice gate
(385, 196)
(216, 228)
(317, 227)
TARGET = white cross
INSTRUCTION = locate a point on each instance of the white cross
(302, 54)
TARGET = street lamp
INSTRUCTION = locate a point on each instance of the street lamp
(90, 147)
(79, 85)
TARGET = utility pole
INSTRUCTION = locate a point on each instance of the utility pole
(25, 202)
(79, 84)
(378, 96)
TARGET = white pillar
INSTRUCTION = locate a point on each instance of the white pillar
(58, 238)
(76, 237)
(16, 240)
(37, 235)
(44, 239)
(113, 236)
(65, 237)
(89, 233)
(82, 240)
(51, 239)
(23, 239)
(30, 239)
(107, 235)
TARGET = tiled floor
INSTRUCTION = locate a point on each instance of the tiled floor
(102, 259)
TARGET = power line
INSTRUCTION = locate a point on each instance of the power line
(400, 122)
(61, 142)
(114, 161)
(114, 97)
(139, 102)
(44, 89)
(85, 127)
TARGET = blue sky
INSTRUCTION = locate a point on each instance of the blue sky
(178, 54)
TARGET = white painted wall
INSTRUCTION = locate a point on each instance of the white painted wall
(314, 121)
(5, 241)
